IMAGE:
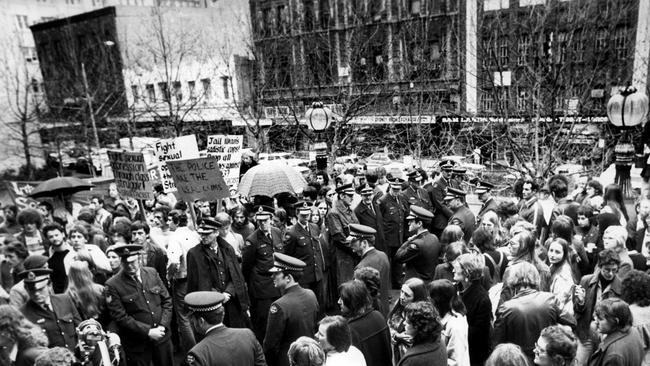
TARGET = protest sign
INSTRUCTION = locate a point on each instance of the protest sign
(19, 193)
(227, 149)
(198, 179)
(131, 174)
(183, 147)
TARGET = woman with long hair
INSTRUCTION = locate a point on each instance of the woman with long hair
(451, 234)
(613, 203)
(423, 328)
(523, 249)
(562, 280)
(495, 260)
(453, 321)
(413, 289)
(21, 341)
(490, 222)
(87, 295)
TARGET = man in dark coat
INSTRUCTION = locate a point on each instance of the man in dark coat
(360, 239)
(337, 220)
(301, 241)
(220, 345)
(437, 191)
(369, 214)
(293, 315)
(213, 266)
(257, 259)
(484, 192)
(462, 215)
(421, 251)
(152, 255)
(414, 194)
(458, 177)
(55, 314)
(394, 209)
(141, 307)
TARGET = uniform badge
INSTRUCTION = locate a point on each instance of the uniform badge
(109, 298)
(189, 359)
(413, 246)
(40, 321)
(287, 237)
(273, 309)
(248, 243)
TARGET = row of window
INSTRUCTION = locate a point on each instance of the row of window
(161, 92)
(500, 99)
(489, 5)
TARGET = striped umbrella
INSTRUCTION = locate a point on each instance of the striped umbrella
(271, 178)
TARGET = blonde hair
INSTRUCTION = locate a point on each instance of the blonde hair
(306, 352)
(619, 233)
(472, 265)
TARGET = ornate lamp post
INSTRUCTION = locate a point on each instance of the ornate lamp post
(627, 109)
(319, 118)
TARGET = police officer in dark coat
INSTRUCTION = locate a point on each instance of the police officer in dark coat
(337, 220)
(213, 266)
(293, 315)
(421, 251)
(369, 214)
(257, 259)
(458, 177)
(141, 307)
(437, 191)
(394, 209)
(220, 345)
(55, 314)
(484, 192)
(415, 194)
(301, 241)
(462, 215)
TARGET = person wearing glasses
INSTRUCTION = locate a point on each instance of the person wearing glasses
(556, 346)
(603, 284)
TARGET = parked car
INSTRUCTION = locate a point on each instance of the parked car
(380, 159)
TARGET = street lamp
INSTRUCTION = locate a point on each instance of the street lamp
(319, 117)
(627, 109)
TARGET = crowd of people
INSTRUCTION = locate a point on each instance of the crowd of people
(360, 268)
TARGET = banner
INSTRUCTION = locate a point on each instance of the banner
(178, 148)
(131, 174)
(227, 149)
(19, 192)
(198, 179)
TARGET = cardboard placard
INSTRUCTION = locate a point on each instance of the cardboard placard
(227, 149)
(184, 147)
(131, 174)
(198, 179)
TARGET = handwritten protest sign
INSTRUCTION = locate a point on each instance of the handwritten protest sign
(183, 147)
(227, 150)
(198, 179)
(131, 174)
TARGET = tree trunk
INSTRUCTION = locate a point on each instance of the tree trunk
(28, 155)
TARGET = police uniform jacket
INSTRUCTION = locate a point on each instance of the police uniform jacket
(338, 219)
(257, 259)
(293, 315)
(59, 324)
(415, 195)
(466, 220)
(437, 191)
(420, 254)
(228, 347)
(137, 307)
(378, 260)
(394, 210)
(371, 216)
(303, 243)
(490, 205)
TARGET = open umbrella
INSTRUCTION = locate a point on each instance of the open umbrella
(269, 179)
(60, 186)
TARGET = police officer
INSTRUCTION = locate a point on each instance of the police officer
(338, 218)
(484, 192)
(301, 241)
(461, 214)
(141, 307)
(458, 177)
(421, 251)
(257, 259)
(369, 214)
(291, 316)
(414, 193)
(220, 345)
(394, 209)
(437, 191)
(55, 314)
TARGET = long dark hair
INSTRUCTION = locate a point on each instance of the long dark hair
(555, 267)
(356, 297)
(420, 293)
(613, 197)
(445, 297)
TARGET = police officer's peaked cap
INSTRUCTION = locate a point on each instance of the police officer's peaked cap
(208, 225)
(303, 207)
(361, 231)
(419, 213)
(264, 212)
(127, 250)
(454, 193)
(414, 175)
(366, 189)
(283, 262)
(204, 301)
(35, 261)
(397, 182)
(482, 187)
(459, 170)
(345, 188)
(447, 165)
(35, 275)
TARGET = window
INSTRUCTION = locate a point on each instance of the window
(502, 51)
(281, 19)
(224, 84)
(35, 86)
(561, 48)
(151, 93)
(207, 89)
(523, 45)
(503, 99)
(486, 101)
(308, 16)
(578, 47)
(531, 2)
(495, 4)
(620, 43)
(191, 87)
(135, 90)
(601, 40)
(416, 7)
(523, 100)
(178, 91)
(266, 22)
(164, 91)
(324, 14)
(21, 21)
